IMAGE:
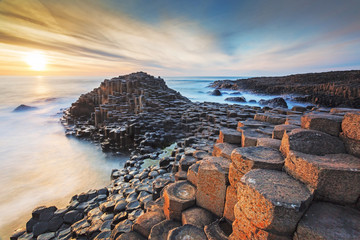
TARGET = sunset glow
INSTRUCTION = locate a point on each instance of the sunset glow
(36, 60)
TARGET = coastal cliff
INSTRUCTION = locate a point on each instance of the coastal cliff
(234, 172)
(331, 89)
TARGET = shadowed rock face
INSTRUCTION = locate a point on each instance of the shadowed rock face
(329, 88)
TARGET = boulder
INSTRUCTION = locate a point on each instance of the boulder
(327, 123)
(160, 231)
(216, 92)
(235, 99)
(197, 216)
(272, 200)
(311, 142)
(275, 102)
(120, 228)
(186, 232)
(329, 221)
(211, 187)
(332, 176)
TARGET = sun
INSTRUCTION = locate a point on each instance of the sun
(36, 60)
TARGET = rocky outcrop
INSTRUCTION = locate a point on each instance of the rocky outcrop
(239, 172)
(23, 107)
(330, 89)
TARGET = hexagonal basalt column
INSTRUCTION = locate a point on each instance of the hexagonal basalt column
(272, 200)
(247, 158)
(335, 177)
(178, 197)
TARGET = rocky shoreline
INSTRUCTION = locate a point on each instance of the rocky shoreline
(235, 172)
(329, 89)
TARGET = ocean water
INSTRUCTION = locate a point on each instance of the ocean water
(39, 165)
(197, 90)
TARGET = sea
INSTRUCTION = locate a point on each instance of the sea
(39, 165)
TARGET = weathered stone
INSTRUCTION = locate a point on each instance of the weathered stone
(196, 216)
(218, 230)
(46, 236)
(311, 142)
(102, 236)
(280, 129)
(120, 206)
(327, 123)
(228, 135)
(231, 200)
(211, 187)
(243, 229)
(72, 216)
(234, 175)
(200, 154)
(146, 221)
(351, 126)
(160, 231)
(247, 158)
(352, 146)
(223, 150)
(192, 173)
(133, 205)
(269, 142)
(272, 200)
(178, 197)
(329, 221)
(40, 228)
(186, 232)
(181, 175)
(332, 176)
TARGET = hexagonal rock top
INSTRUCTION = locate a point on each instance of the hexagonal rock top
(178, 196)
(161, 230)
(311, 142)
(327, 123)
(229, 135)
(329, 221)
(272, 200)
(335, 177)
(279, 130)
(247, 158)
(187, 232)
(197, 216)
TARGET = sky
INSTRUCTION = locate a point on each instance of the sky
(178, 38)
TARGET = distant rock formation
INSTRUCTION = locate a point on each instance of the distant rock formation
(23, 107)
(331, 89)
(235, 99)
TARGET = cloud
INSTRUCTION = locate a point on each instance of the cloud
(182, 38)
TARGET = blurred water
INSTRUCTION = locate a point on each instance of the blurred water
(38, 164)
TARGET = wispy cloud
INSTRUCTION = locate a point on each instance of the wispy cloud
(241, 38)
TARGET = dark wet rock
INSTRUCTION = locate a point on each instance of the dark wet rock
(146, 221)
(133, 205)
(131, 236)
(216, 92)
(40, 228)
(121, 227)
(235, 99)
(160, 231)
(105, 235)
(72, 216)
(43, 213)
(275, 102)
(252, 101)
(46, 236)
(17, 234)
(23, 107)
